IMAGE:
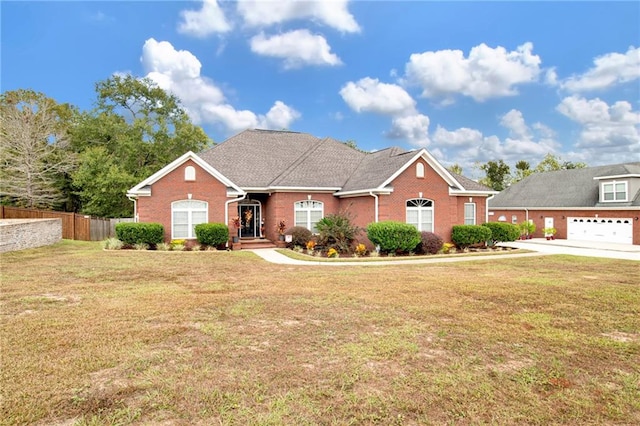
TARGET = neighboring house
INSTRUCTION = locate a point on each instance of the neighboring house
(265, 176)
(593, 204)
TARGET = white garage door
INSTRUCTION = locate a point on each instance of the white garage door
(608, 230)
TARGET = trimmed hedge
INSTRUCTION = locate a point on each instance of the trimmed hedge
(140, 233)
(212, 234)
(502, 231)
(393, 236)
(466, 235)
(299, 236)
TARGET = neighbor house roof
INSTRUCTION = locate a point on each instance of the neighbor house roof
(277, 159)
(577, 188)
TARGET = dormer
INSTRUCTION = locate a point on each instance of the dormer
(620, 188)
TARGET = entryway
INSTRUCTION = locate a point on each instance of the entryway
(250, 212)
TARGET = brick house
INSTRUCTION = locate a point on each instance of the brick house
(594, 204)
(265, 176)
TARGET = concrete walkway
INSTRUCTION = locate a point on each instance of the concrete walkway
(538, 246)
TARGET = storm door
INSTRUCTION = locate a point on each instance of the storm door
(250, 218)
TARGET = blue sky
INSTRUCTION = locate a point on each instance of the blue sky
(469, 81)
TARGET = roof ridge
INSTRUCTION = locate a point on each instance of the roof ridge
(299, 160)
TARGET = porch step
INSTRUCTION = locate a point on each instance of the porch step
(256, 243)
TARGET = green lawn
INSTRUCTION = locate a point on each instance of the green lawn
(95, 337)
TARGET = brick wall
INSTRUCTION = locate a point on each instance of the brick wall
(173, 187)
(560, 219)
(20, 234)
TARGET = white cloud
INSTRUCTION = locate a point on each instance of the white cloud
(486, 73)
(370, 95)
(414, 128)
(210, 19)
(334, 13)
(514, 121)
(178, 71)
(612, 127)
(608, 70)
(297, 48)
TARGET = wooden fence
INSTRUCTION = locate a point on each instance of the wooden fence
(74, 226)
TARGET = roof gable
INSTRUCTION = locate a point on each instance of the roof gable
(139, 188)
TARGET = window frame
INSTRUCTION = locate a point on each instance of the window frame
(307, 207)
(420, 170)
(469, 220)
(191, 233)
(189, 173)
(420, 206)
(614, 192)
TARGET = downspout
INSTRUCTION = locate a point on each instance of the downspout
(135, 208)
(375, 206)
(226, 207)
(486, 208)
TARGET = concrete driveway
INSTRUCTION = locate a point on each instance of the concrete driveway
(579, 248)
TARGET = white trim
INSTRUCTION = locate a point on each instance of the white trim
(630, 175)
(190, 224)
(420, 210)
(303, 189)
(456, 192)
(536, 208)
(358, 192)
(475, 211)
(308, 211)
(138, 189)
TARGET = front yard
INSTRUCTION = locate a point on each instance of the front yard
(96, 337)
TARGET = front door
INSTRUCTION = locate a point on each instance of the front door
(251, 218)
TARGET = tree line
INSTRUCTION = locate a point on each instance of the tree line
(54, 156)
(498, 174)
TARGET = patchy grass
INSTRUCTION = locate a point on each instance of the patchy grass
(92, 337)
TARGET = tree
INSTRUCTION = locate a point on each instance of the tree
(455, 168)
(497, 175)
(136, 129)
(34, 152)
(523, 169)
(552, 163)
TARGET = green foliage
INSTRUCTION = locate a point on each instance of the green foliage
(393, 236)
(455, 168)
(112, 244)
(337, 231)
(552, 163)
(136, 129)
(299, 236)
(502, 231)
(140, 233)
(523, 169)
(497, 175)
(527, 227)
(466, 235)
(430, 243)
(212, 234)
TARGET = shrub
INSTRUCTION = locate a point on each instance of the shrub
(393, 236)
(133, 233)
(212, 234)
(337, 231)
(502, 231)
(332, 252)
(466, 235)
(448, 248)
(430, 243)
(361, 249)
(112, 244)
(299, 236)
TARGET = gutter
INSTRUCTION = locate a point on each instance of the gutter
(135, 207)
(226, 207)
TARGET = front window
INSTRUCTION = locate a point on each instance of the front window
(614, 191)
(185, 215)
(308, 213)
(420, 214)
(470, 213)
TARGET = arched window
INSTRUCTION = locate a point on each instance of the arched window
(420, 214)
(189, 173)
(185, 215)
(419, 170)
(308, 213)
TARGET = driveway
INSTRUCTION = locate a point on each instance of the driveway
(538, 246)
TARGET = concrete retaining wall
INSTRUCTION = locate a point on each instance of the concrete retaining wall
(20, 234)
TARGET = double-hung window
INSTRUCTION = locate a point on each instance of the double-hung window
(185, 215)
(469, 213)
(614, 191)
(308, 213)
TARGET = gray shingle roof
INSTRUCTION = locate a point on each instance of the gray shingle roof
(271, 158)
(564, 188)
